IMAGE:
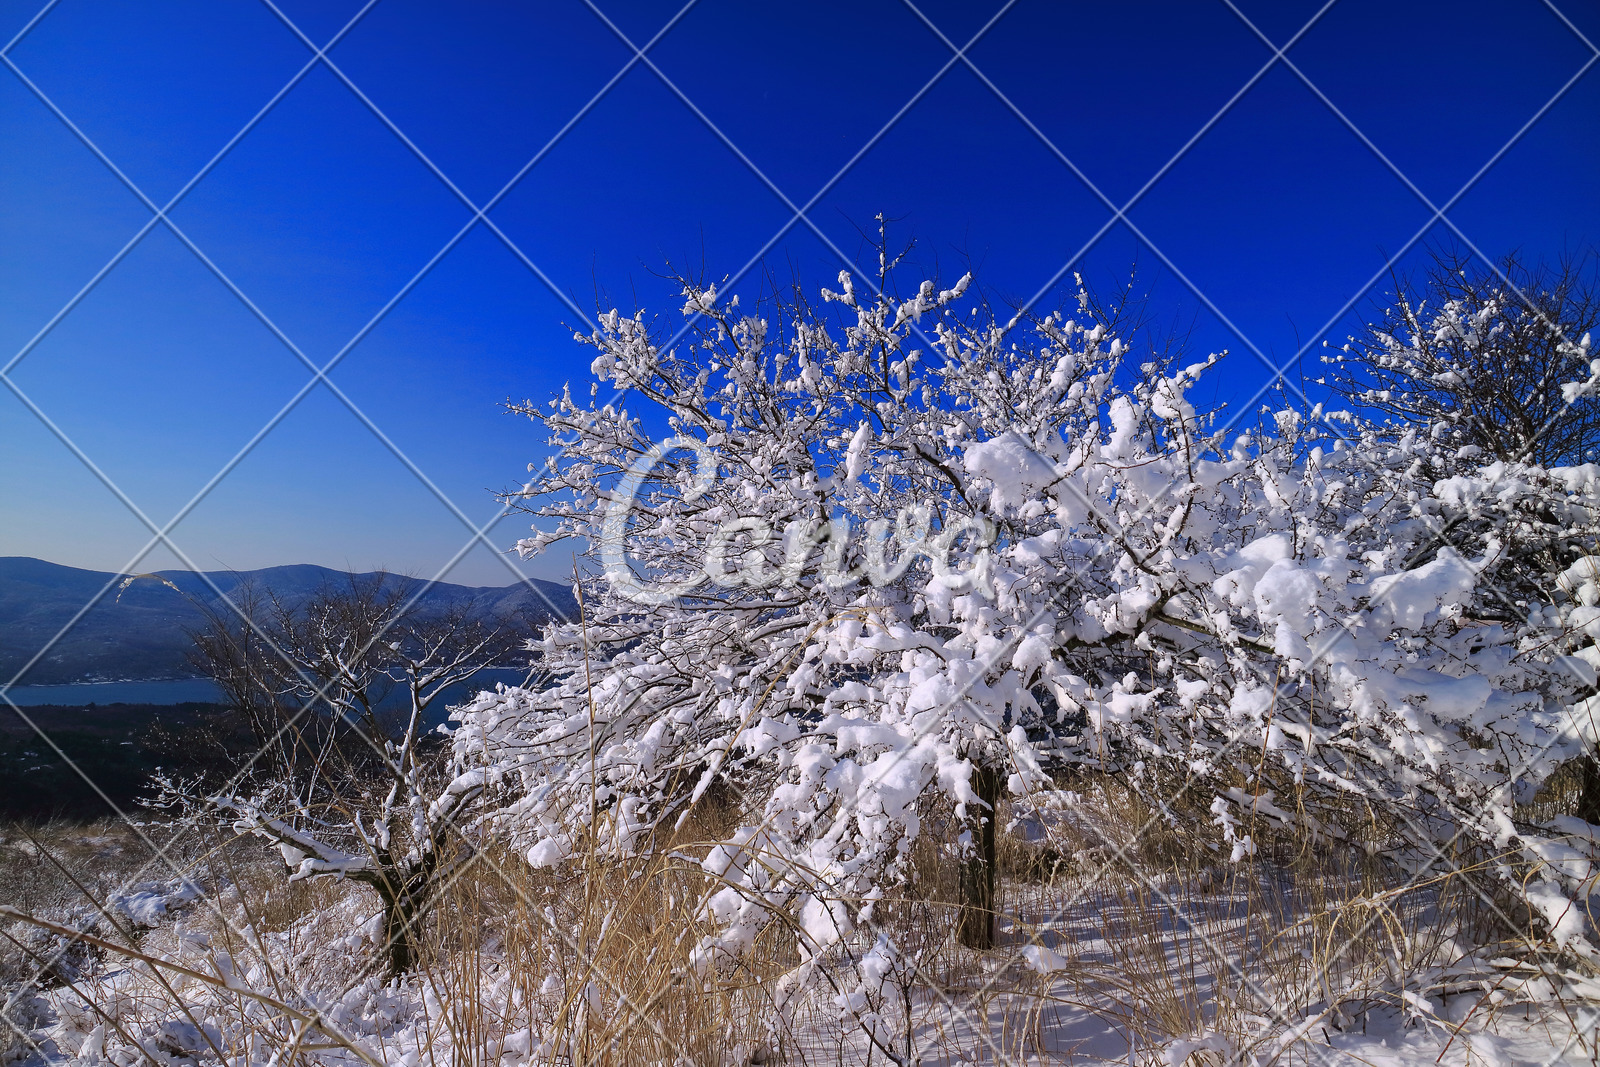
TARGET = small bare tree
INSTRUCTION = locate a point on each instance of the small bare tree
(232, 649)
(372, 802)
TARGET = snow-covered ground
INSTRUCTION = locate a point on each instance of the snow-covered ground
(1160, 971)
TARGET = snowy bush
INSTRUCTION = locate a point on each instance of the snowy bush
(889, 554)
(1492, 358)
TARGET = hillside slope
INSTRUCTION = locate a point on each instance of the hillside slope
(140, 634)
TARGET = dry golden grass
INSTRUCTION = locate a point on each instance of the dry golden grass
(1149, 930)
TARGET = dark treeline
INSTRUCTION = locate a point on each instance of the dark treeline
(118, 747)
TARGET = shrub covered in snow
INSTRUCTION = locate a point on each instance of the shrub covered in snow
(891, 553)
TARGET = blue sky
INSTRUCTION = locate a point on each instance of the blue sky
(1279, 215)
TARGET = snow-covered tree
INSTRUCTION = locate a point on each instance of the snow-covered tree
(1481, 356)
(1491, 364)
(893, 552)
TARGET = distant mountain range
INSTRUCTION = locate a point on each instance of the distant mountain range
(139, 635)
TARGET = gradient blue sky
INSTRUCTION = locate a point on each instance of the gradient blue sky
(1279, 215)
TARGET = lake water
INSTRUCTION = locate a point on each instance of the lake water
(178, 691)
(183, 690)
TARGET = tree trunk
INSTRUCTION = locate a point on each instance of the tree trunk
(398, 916)
(1589, 788)
(405, 901)
(976, 921)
